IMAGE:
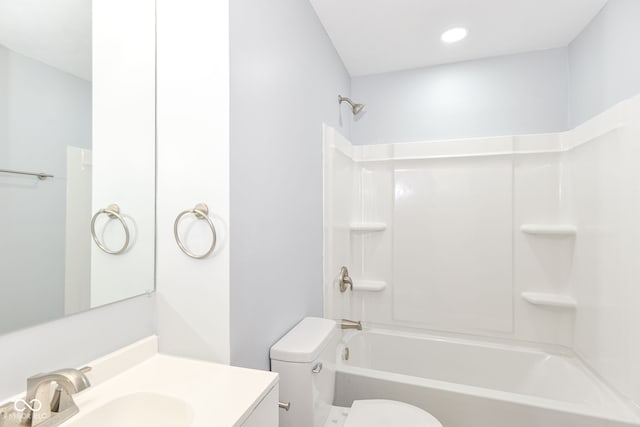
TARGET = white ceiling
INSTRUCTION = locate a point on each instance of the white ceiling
(377, 36)
(56, 32)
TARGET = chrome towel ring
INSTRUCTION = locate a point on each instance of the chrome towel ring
(200, 211)
(113, 211)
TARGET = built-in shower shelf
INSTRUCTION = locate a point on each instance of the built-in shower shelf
(549, 229)
(367, 226)
(369, 285)
(549, 300)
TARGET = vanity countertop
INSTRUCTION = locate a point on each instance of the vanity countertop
(213, 394)
(220, 395)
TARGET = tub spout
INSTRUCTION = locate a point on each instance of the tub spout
(350, 324)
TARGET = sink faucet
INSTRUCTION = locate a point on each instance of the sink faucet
(43, 405)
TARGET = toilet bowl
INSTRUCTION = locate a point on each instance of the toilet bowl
(387, 413)
(305, 359)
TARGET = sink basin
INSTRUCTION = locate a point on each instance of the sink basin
(137, 387)
(135, 410)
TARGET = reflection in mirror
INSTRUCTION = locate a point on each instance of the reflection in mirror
(48, 262)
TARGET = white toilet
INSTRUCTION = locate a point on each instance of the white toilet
(305, 359)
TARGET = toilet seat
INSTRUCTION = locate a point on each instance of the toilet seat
(388, 413)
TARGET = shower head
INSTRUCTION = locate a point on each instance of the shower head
(355, 108)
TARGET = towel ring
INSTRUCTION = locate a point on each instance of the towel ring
(113, 211)
(200, 211)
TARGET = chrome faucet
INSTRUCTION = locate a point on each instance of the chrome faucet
(43, 405)
(350, 324)
(345, 280)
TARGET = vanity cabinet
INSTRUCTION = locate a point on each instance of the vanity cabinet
(266, 413)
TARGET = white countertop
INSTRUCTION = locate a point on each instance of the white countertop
(219, 395)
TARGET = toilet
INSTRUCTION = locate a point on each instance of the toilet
(305, 359)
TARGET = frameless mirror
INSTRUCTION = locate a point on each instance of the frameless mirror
(77, 154)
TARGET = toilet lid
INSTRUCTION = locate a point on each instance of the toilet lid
(388, 413)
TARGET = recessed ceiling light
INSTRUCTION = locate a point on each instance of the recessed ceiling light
(454, 35)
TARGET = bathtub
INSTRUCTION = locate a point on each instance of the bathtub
(467, 383)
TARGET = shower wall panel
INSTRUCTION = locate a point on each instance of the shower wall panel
(435, 227)
(606, 200)
(452, 244)
(530, 238)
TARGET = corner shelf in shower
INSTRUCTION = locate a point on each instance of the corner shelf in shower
(550, 300)
(549, 229)
(369, 285)
(365, 227)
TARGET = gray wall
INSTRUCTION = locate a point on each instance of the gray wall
(605, 61)
(285, 80)
(42, 111)
(545, 91)
(515, 94)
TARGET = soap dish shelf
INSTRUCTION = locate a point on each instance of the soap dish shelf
(550, 300)
(365, 227)
(549, 229)
(369, 285)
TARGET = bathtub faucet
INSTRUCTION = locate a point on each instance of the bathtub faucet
(350, 324)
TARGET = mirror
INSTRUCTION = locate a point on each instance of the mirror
(77, 137)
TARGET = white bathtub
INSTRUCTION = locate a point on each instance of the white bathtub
(476, 384)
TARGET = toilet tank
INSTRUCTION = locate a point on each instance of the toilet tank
(305, 359)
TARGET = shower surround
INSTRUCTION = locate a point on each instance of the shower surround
(517, 240)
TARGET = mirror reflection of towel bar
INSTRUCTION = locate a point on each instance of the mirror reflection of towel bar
(200, 211)
(113, 211)
(41, 176)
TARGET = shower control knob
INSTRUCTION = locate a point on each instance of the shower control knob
(344, 280)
